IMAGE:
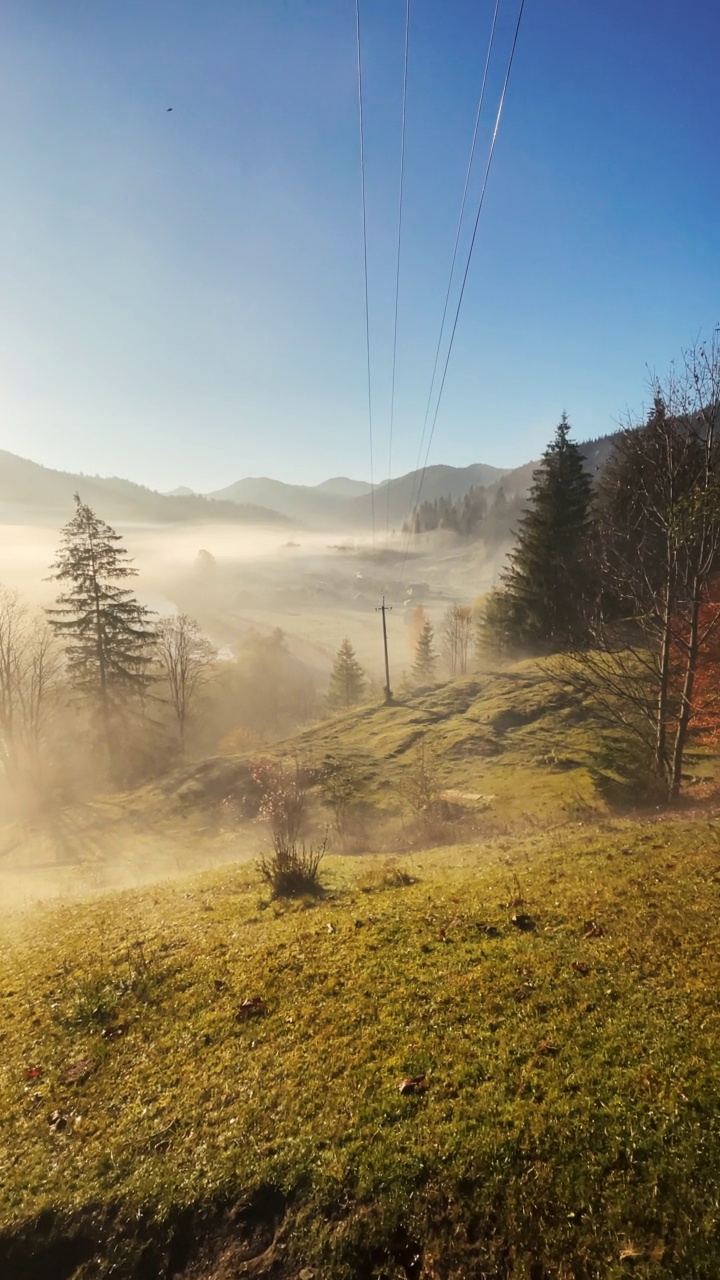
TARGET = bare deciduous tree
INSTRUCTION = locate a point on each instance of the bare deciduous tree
(186, 658)
(456, 630)
(658, 546)
(30, 667)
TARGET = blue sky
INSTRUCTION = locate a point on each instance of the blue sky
(182, 295)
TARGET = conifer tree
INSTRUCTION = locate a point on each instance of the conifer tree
(106, 631)
(347, 681)
(425, 657)
(547, 576)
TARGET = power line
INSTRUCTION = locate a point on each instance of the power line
(397, 268)
(467, 267)
(365, 266)
(478, 114)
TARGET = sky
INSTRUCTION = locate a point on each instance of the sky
(182, 296)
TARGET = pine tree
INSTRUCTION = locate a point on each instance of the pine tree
(547, 576)
(425, 657)
(107, 632)
(347, 682)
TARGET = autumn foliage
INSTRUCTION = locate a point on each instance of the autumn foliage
(705, 720)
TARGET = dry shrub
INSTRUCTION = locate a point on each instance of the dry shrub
(292, 869)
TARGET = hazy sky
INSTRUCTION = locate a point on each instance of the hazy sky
(181, 292)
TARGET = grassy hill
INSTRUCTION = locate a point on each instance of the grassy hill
(557, 995)
(504, 752)
(498, 1058)
(514, 747)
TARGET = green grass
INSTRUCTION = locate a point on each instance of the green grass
(511, 749)
(569, 1127)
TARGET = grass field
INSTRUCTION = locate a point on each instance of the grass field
(515, 747)
(546, 981)
(557, 992)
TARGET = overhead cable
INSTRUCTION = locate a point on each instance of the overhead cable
(365, 266)
(397, 260)
(467, 269)
(478, 114)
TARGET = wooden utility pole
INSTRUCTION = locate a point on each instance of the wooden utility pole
(383, 609)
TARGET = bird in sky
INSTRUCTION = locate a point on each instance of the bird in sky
(168, 108)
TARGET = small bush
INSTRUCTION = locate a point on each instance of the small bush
(284, 800)
(293, 869)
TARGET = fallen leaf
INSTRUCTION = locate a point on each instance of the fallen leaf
(413, 1084)
(582, 967)
(250, 1008)
(78, 1072)
(33, 1073)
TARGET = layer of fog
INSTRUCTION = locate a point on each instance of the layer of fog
(242, 585)
(318, 588)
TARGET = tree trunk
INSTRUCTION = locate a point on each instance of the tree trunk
(687, 695)
(661, 762)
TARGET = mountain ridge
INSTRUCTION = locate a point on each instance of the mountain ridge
(30, 490)
(322, 504)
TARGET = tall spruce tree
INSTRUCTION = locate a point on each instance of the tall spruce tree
(347, 681)
(107, 633)
(423, 667)
(547, 576)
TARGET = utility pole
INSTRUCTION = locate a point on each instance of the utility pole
(383, 609)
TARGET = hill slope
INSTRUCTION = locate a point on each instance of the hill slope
(506, 751)
(478, 736)
(334, 505)
(556, 999)
(29, 491)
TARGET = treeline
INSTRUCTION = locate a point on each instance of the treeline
(471, 516)
(622, 578)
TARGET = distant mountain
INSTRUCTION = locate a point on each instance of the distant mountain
(343, 487)
(438, 482)
(348, 504)
(300, 502)
(29, 491)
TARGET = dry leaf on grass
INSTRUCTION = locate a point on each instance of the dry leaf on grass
(413, 1084)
